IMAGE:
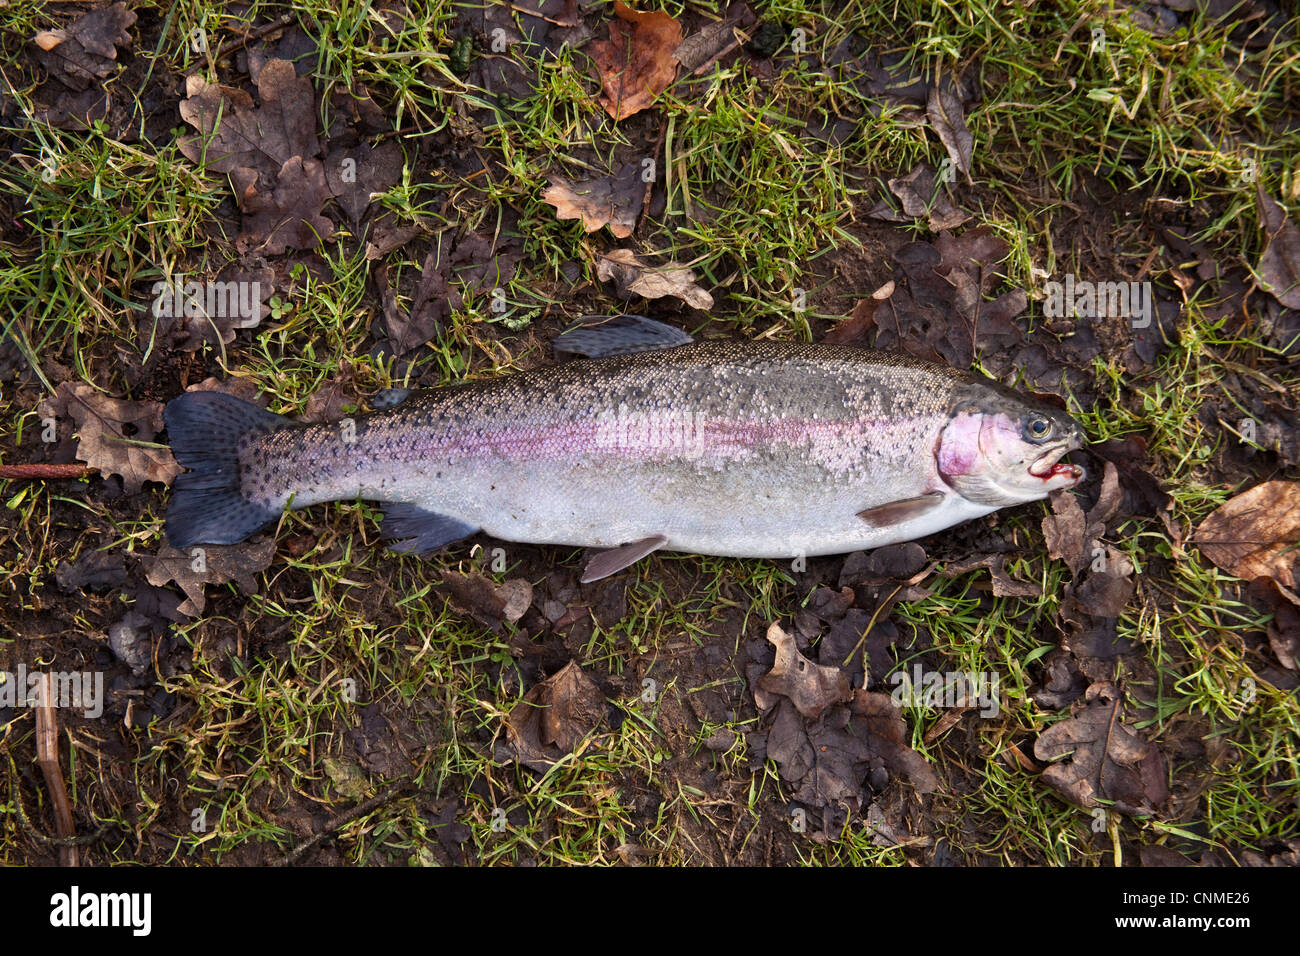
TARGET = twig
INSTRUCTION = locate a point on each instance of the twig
(47, 756)
(46, 472)
(15, 797)
(245, 38)
(343, 819)
(649, 186)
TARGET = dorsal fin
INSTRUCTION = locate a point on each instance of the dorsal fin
(596, 336)
(390, 398)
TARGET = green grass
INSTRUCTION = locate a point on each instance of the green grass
(756, 206)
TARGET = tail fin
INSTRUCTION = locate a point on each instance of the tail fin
(207, 505)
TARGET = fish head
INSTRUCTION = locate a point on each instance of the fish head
(1001, 449)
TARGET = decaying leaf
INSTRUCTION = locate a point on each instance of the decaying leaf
(638, 61)
(348, 779)
(486, 601)
(1256, 534)
(554, 717)
(810, 687)
(1003, 584)
(271, 153)
(634, 276)
(921, 198)
(944, 110)
(116, 437)
(1279, 265)
(1099, 757)
(453, 267)
(189, 313)
(235, 134)
(613, 201)
(1284, 629)
(210, 564)
(1101, 584)
(86, 51)
(94, 571)
(938, 309)
(356, 174)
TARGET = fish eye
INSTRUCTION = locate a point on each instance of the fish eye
(1039, 428)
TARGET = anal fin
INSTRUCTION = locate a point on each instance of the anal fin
(604, 563)
(896, 512)
(416, 531)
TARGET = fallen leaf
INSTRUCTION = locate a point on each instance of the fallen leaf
(1003, 584)
(190, 313)
(1063, 682)
(554, 717)
(1256, 533)
(94, 571)
(131, 640)
(210, 564)
(613, 201)
(287, 215)
(938, 310)
(103, 424)
(634, 276)
(234, 134)
(922, 199)
(453, 268)
(1279, 264)
(269, 151)
(326, 404)
(1284, 629)
(357, 174)
(86, 51)
(486, 601)
(1099, 757)
(242, 388)
(810, 687)
(638, 61)
(944, 110)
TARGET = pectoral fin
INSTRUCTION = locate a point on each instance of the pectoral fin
(418, 531)
(604, 563)
(896, 512)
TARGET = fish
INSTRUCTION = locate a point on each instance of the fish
(649, 440)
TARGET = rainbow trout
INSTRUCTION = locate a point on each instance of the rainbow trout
(745, 449)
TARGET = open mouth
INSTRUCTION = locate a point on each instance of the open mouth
(1050, 466)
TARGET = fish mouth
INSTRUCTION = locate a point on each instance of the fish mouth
(1049, 465)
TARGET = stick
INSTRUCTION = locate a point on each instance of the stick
(47, 756)
(44, 472)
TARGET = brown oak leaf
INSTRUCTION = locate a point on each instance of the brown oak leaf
(810, 687)
(638, 61)
(194, 567)
(613, 201)
(116, 437)
(634, 276)
(554, 717)
(1099, 757)
(1256, 533)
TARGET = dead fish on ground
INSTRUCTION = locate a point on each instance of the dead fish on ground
(742, 449)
